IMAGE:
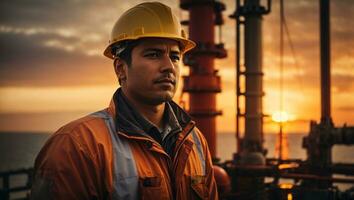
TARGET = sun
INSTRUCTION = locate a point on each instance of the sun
(281, 116)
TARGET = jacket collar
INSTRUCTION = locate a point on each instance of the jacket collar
(128, 120)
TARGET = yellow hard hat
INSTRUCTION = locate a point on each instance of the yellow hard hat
(150, 19)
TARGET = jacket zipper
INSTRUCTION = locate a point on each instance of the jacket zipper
(181, 143)
(172, 166)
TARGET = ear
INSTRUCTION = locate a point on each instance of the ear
(120, 68)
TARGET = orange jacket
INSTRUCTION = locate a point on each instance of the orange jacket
(88, 159)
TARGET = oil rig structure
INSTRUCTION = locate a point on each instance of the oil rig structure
(244, 177)
(250, 175)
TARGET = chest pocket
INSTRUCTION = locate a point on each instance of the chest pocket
(198, 185)
(152, 188)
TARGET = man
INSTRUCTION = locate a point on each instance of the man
(143, 146)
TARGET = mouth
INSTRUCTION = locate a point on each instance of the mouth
(166, 81)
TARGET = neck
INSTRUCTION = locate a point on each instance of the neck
(153, 113)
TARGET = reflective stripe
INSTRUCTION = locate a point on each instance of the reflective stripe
(200, 151)
(125, 181)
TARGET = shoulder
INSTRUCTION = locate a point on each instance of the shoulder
(85, 138)
(85, 124)
(75, 160)
(84, 130)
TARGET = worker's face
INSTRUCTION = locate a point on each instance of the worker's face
(152, 77)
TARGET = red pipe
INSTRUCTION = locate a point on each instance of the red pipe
(202, 32)
(203, 83)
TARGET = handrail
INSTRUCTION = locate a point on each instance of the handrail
(6, 176)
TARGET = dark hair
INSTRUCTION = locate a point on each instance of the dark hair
(126, 54)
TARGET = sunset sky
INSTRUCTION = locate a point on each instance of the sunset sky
(52, 69)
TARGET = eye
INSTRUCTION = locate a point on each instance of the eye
(154, 54)
(175, 58)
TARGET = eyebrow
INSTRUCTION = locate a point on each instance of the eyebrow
(161, 50)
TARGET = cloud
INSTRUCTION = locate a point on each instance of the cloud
(46, 43)
(52, 42)
(57, 43)
(46, 59)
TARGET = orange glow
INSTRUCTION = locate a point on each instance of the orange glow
(290, 196)
(286, 185)
(288, 165)
(281, 116)
(54, 99)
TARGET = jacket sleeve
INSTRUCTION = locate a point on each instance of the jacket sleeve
(64, 170)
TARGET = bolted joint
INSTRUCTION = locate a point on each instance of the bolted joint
(211, 83)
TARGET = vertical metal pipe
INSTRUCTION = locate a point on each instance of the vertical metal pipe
(281, 66)
(202, 31)
(251, 151)
(203, 83)
(319, 142)
(238, 87)
(325, 62)
(254, 83)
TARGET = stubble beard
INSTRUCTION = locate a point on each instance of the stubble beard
(158, 100)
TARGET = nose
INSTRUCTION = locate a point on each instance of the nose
(167, 65)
